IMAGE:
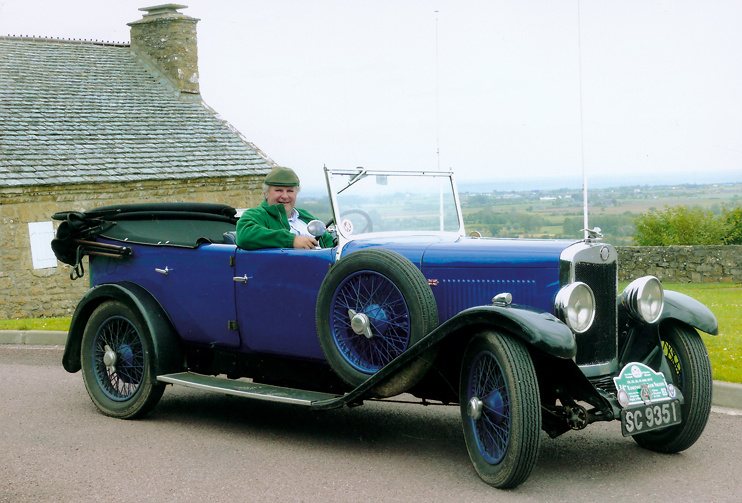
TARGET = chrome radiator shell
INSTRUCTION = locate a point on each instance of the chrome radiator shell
(595, 264)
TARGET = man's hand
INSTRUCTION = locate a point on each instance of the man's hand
(305, 243)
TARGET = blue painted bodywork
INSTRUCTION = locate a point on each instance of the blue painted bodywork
(197, 293)
(468, 272)
(274, 309)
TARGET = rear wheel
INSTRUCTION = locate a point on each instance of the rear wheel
(500, 408)
(118, 362)
(691, 373)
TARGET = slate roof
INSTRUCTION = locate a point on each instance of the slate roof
(82, 112)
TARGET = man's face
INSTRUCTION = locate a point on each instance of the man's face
(283, 195)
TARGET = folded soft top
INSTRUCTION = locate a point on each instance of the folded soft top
(166, 224)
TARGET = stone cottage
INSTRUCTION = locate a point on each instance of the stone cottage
(87, 124)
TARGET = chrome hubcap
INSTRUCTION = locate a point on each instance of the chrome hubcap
(360, 323)
(474, 408)
(109, 359)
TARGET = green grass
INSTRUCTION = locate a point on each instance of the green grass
(724, 300)
(725, 349)
(62, 324)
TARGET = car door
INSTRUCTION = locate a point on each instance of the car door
(276, 295)
(194, 287)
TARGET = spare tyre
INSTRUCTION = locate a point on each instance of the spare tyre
(372, 306)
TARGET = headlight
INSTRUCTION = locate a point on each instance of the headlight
(575, 306)
(644, 298)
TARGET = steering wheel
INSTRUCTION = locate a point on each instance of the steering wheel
(369, 224)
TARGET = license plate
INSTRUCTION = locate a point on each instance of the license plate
(650, 417)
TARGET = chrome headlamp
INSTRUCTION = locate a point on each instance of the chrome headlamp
(575, 306)
(644, 299)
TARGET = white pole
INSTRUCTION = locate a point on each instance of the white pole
(437, 112)
(437, 126)
(582, 135)
(440, 203)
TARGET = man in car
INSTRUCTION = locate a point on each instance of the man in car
(276, 223)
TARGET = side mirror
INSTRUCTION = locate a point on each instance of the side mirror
(316, 228)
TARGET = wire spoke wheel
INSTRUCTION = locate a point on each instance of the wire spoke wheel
(500, 408)
(387, 315)
(119, 341)
(492, 425)
(373, 305)
(117, 358)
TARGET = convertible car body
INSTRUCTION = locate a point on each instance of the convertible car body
(523, 335)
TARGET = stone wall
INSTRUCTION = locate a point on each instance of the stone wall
(681, 264)
(26, 292)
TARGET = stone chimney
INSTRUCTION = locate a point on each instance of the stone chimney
(167, 38)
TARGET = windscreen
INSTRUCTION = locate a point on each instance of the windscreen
(394, 202)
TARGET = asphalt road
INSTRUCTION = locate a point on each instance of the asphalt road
(196, 446)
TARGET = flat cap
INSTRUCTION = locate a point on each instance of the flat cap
(284, 177)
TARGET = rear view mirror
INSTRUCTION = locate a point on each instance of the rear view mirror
(316, 228)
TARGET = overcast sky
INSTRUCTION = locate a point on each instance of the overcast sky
(497, 87)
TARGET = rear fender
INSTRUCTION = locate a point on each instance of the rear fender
(167, 346)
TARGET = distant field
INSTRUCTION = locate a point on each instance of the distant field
(645, 205)
(558, 213)
(512, 214)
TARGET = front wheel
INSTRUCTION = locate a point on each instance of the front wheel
(691, 372)
(118, 362)
(500, 408)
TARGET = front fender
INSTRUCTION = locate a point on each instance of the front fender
(691, 312)
(538, 328)
(168, 350)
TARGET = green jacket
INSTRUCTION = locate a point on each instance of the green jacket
(268, 227)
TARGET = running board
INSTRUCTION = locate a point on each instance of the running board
(246, 389)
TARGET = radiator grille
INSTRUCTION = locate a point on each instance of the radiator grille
(598, 345)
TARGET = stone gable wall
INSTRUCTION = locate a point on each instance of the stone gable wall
(681, 264)
(26, 292)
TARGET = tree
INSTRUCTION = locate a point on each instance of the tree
(679, 225)
(733, 221)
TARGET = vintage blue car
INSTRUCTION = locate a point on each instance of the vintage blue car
(524, 335)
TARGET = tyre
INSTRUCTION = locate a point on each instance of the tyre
(500, 408)
(372, 306)
(118, 362)
(691, 373)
